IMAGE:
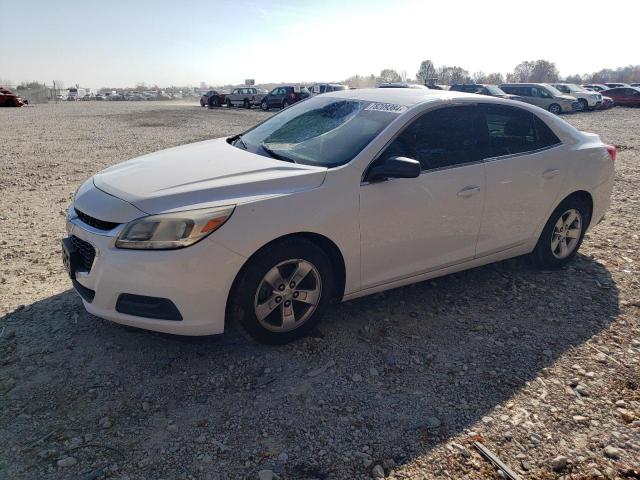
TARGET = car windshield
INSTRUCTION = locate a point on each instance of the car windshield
(322, 131)
(575, 88)
(493, 90)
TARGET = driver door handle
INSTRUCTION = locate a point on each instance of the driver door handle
(552, 172)
(466, 192)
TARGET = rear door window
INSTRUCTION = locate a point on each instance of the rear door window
(512, 130)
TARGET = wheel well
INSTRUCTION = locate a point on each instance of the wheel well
(584, 197)
(328, 246)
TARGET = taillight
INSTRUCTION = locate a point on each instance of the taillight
(613, 153)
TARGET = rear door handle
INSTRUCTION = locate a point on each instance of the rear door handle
(468, 191)
(552, 172)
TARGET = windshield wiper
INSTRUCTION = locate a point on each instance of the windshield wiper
(277, 156)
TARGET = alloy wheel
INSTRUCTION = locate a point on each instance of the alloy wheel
(566, 234)
(288, 295)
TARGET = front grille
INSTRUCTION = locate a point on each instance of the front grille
(86, 250)
(94, 222)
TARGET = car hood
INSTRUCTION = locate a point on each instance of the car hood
(204, 174)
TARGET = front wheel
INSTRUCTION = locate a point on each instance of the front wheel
(285, 103)
(584, 106)
(555, 108)
(562, 235)
(214, 102)
(246, 103)
(228, 103)
(264, 105)
(283, 291)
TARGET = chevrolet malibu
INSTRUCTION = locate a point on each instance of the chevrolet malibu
(337, 197)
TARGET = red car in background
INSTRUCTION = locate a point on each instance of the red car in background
(10, 99)
(625, 96)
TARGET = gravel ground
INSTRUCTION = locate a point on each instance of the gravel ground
(541, 367)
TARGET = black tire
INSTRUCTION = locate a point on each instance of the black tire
(247, 104)
(555, 108)
(285, 103)
(201, 103)
(229, 104)
(264, 105)
(543, 255)
(584, 103)
(214, 102)
(247, 289)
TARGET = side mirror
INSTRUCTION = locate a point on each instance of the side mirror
(395, 167)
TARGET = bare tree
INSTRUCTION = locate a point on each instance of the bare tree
(573, 78)
(535, 71)
(479, 77)
(451, 75)
(426, 72)
(358, 81)
(389, 76)
(494, 78)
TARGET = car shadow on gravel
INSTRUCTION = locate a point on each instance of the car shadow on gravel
(384, 378)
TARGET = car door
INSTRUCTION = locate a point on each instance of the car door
(412, 226)
(524, 174)
(276, 98)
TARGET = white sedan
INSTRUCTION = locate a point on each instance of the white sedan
(340, 196)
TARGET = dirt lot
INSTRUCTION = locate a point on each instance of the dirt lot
(542, 367)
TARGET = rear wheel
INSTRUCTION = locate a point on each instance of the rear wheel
(214, 102)
(282, 293)
(285, 103)
(555, 108)
(246, 103)
(201, 103)
(228, 103)
(264, 105)
(562, 235)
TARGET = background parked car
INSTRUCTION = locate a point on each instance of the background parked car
(635, 84)
(543, 96)
(625, 96)
(402, 85)
(320, 88)
(483, 89)
(596, 87)
(244, 96)
(213, 98)
(616, 85)
(607, 103)
(588, 100)
(282, 97)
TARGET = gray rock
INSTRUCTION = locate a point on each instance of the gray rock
(433, 422)
(612, 452)
(377, 472)
(67, 462)
(559, 463)
(266, 475)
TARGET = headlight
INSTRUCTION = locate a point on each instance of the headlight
(173, 230)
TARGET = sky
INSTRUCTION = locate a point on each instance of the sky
(122, 43)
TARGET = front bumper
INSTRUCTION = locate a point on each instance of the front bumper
(196, 279)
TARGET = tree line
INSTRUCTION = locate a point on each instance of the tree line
(534, 71)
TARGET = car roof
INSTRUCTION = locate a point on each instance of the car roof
(400, 96)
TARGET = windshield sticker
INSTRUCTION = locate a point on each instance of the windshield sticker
(386, 107)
